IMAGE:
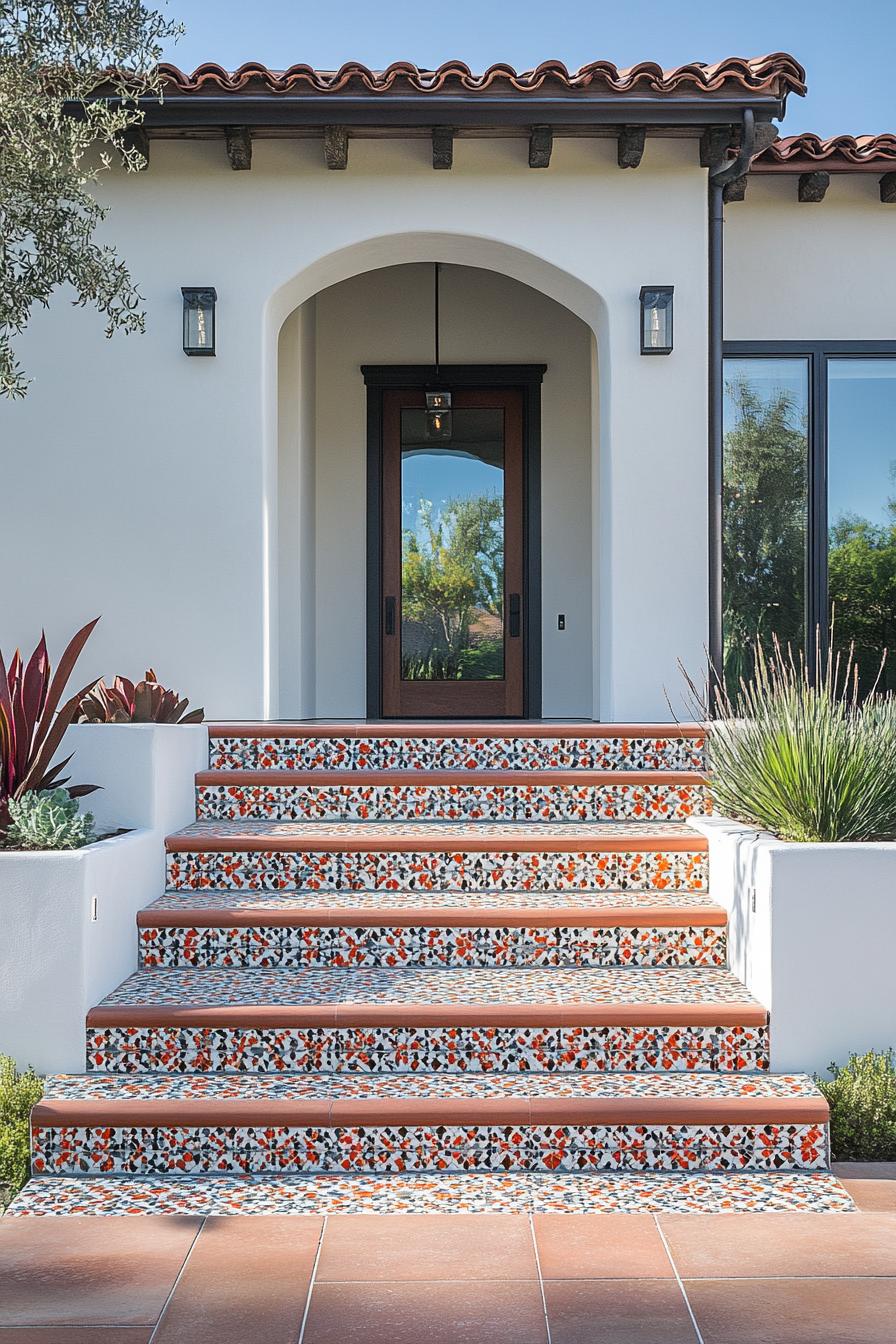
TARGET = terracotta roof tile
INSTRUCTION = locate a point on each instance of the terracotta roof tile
(777, 73)
(846, 152)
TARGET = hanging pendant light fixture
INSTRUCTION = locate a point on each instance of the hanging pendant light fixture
(438, 402)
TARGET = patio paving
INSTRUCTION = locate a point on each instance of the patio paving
(786, 1278)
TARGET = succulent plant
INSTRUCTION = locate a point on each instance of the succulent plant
(48, 820)
(32, 724)
(146, 702)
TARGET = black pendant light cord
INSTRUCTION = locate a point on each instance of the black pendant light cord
(436, 313)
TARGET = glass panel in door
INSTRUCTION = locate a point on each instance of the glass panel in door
(862, 515)
(452, 548)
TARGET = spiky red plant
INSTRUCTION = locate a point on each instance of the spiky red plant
(147, 702)
(32, 725)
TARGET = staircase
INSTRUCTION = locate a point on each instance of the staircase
(416, 966)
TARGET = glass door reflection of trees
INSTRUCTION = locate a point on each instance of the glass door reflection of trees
(765, 511)
(809, 503)
(861, 420)
(452, 548)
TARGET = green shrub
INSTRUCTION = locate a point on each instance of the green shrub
(48, 820)
(862, 1098)
(803, 755)
(18, 1093)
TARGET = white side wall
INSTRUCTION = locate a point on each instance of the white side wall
(820, 272)
(385, 317)
(146, 481)
(68, 918)
(811, 930)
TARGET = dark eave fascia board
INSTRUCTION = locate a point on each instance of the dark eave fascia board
(796, 167)
(185, 112)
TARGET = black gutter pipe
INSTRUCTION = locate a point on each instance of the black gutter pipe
(718, 178)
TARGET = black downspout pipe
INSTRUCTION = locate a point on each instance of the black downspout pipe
(718, 178)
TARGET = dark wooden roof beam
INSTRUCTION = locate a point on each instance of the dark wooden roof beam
(630, 146)
(812, 187)
(541, 143)
(336, 146)
(714, 145)
(238, 140)
(735, 190)
(442, 147)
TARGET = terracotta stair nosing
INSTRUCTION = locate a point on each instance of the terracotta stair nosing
(447, 778)
(540, 843)
(521, 1110)
(417, 1015)
(429, 917)
(447, 728)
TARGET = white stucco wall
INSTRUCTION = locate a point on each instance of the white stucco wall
(821, 272)
(146, 482)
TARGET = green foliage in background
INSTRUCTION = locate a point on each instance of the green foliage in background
(862, 590)
(764, 546)
(55, 55)
(452, 568)
(764, 522)
(18, 1093)
(48, 820)
(862, 1098)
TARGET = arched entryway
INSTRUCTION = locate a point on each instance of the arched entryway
(318, 551)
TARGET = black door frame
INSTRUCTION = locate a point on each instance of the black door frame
(526, 377)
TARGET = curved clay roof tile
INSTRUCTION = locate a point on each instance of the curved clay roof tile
(776, 72)
(860, 149)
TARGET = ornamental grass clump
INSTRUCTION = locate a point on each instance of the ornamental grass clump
(798, 752)
(862, 1098)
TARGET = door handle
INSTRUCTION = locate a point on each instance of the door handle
(514, 627)
(390, 616)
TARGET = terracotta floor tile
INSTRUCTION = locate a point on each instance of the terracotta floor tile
(500, 1312)
(246, 1279)
(871, 1184)
(781, 1245)
(600, 1246)
(414, 1246)
(617, 1311)
(90, 1271)
(76, 1334)
(795, 1311)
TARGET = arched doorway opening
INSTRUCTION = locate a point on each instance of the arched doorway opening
(319, 489)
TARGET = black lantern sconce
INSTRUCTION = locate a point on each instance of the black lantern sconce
(199, 320)
(438, 423)
(656, 319)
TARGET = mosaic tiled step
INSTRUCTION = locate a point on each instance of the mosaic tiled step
(300, 935)
(357, 856)
(458, 746)
(448, 1192)
(621, 1122)
(560, 795)
(672, 907)
(388, 1021)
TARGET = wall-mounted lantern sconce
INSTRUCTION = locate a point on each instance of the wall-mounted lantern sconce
(656, 319)
(438, 415)
(199, 320)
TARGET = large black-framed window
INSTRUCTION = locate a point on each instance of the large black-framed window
(809, 499)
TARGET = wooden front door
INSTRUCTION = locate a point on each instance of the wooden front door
(452, 554)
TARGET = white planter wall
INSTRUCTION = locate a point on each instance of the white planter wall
(68, 919)
(812, 934)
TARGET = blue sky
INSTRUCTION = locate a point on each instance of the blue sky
(848, 50)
